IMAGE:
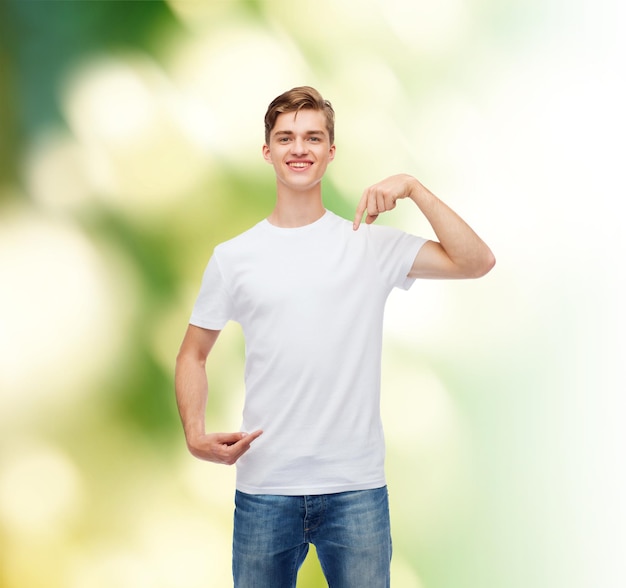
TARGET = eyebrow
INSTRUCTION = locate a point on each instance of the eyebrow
(291, 133)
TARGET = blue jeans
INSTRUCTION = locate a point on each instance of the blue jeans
(350, 531)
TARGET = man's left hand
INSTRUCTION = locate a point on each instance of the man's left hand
(382, 197)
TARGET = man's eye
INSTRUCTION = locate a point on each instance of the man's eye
(314, 139)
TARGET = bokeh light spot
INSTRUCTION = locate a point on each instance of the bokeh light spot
(143, 154)
(40, 490)
(60, 323)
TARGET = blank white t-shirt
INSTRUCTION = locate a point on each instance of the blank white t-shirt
(310, 301)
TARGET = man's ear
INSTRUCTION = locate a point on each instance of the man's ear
(332, 152)
(267, 154)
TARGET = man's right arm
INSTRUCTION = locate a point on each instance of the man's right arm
(191, 397)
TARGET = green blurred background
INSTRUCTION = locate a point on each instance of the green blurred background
(130, 144)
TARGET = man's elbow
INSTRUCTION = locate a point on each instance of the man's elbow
(484, 265)
(189, 357)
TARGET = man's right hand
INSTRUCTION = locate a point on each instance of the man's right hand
(224, 448)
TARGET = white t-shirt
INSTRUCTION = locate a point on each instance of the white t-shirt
(310, 301)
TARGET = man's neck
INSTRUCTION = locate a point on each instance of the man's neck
(296, 210)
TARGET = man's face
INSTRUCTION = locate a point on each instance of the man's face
(299, 149)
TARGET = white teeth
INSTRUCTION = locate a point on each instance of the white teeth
(299, 164)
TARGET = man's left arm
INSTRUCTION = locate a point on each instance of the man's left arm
(459, 253)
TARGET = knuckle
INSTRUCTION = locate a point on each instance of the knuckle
(227, 459)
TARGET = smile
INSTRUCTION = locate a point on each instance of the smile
(299, 164)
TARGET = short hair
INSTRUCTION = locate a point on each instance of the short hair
(296, 99)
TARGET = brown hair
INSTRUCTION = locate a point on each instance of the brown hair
(297, 99)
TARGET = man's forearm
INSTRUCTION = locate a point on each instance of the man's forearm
(191, 395)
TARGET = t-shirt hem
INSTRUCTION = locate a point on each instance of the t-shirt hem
(212, 325)
(310, 490)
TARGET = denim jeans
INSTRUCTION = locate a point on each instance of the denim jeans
(350, 531)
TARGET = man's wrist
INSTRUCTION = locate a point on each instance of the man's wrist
(192, 435)
(416, 190)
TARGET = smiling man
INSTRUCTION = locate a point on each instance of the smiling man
(309, 290)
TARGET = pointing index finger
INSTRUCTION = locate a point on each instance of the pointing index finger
(360, 209)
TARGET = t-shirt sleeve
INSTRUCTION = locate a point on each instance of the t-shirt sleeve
(213, 307)
(395, 251)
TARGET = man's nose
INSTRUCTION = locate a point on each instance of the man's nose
(299, 146)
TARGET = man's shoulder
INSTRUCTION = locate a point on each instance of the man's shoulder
(242, 240)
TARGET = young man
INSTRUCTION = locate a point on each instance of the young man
(308, 289)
